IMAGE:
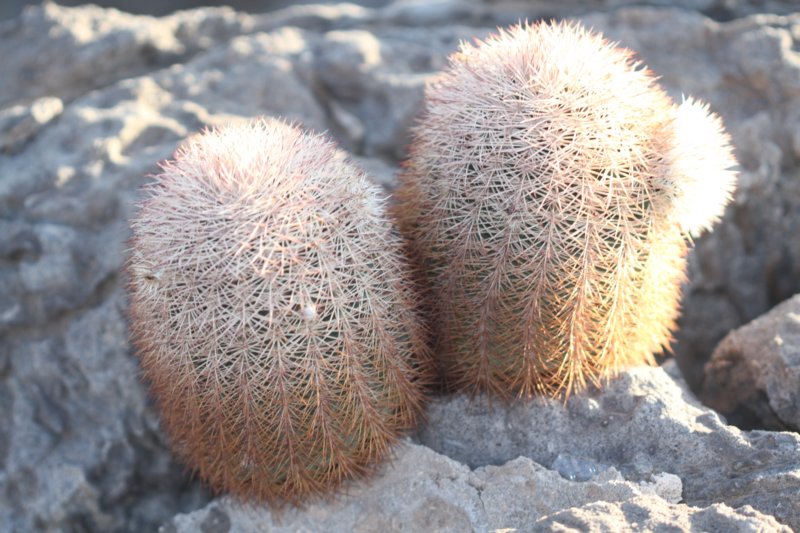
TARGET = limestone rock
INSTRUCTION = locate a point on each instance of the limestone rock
(52, 51)
(642, 423)
(19, 123)
(651, 514)
(423, 491)
(754, 374)
(644, 438)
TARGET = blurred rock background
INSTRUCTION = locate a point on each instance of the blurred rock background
(12, 8)
(717, 9)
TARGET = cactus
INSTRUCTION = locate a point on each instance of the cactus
(273, 314)
(548, 191)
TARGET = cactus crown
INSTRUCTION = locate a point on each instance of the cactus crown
(272, 313)
(546, 192)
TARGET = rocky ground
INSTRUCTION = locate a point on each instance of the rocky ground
(91, 99)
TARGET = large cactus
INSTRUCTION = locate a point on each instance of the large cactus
(272, 313)
(549, 189)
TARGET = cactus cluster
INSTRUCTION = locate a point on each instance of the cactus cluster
(272, 313)
(548, 190)
(547, 198)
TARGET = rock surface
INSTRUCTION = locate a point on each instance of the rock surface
(90, 99)
(754, 374)
(650, 514)
(424, 491)
(642, 423)
(616, 456)
(19, 123)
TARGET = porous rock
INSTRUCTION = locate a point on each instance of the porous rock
(754, 374)
(423, 490)
(93, 98)
(52, 51)
(638, 447)
(642, 423)
(19, 123)
(649, 513)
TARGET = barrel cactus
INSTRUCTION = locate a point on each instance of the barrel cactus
(549, 191)
(273, 314)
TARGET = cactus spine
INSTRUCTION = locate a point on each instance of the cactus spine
(272, 313)
(549, 188)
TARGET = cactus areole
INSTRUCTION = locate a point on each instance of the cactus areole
(273, 314)
(549, 190)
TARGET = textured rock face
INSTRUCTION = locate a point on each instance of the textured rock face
(92, 98)
(424, 491)
(643, 423)
(67, 52)
(649, 514)
(627, 455)
(754, 374)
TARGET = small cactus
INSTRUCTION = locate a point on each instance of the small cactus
(273, 314)
(548, 191)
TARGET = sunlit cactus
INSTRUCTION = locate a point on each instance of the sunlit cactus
(549, 189)
(273, 314)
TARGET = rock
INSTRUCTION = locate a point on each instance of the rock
(642, 437)
(648, 513)
(373, 82)
(79, 441)
(754, 374)
(91, 99)
(20, 123)
(422, 490)
(641, 424)
(68, 52)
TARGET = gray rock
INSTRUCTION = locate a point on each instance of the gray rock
(80, 447)
(373, 82)
(642, 423)
(648, 513)
(755, 371)
(53, 51)
(20, 123)
(423, 491)
(655, 438)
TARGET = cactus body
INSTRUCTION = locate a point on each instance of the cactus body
(548, 191)
(272, 313)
